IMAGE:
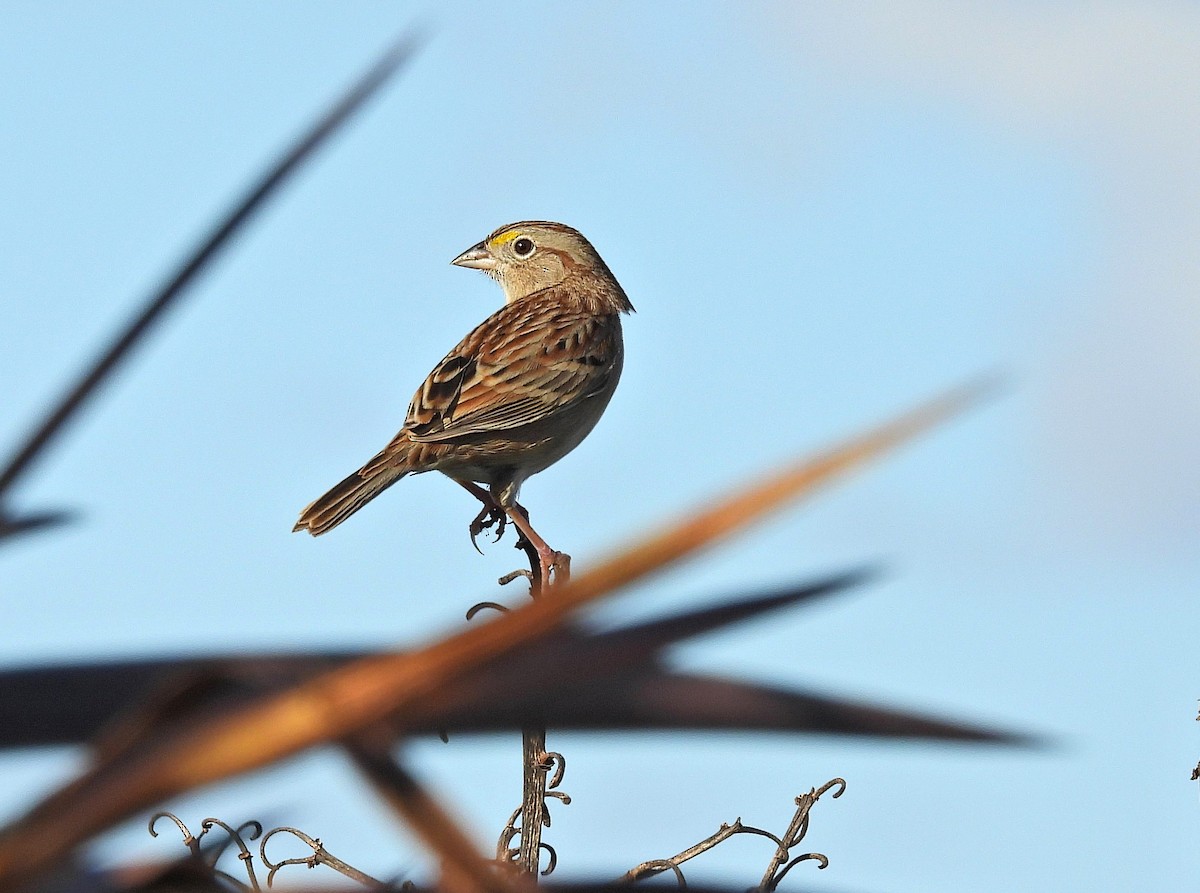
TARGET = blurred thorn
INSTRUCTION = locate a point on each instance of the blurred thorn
(587, 681)
(658, 699)
(655, 635)
(617, 680)
(14, 526)
(63, 704)
(201, 256)
(60, 704)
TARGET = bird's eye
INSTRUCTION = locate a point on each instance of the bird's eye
(523, 247)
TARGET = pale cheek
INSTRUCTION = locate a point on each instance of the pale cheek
(515, 287)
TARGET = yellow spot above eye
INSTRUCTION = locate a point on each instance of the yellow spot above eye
(505, 238)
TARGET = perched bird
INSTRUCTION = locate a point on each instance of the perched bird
(518, 393)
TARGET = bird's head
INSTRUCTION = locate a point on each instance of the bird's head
(532, 255)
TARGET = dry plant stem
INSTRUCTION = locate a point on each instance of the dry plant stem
(320, 856)
(795, 833)
(781, 862)
(533, 739)
(658, 866)
(358, 695)
(533, 798)
(210, 859)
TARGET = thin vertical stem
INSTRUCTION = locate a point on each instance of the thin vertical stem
(533, 738)
(533, 798)
(533, 748)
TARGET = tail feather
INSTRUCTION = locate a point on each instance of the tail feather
(348, 497)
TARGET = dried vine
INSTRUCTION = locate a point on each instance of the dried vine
(782, 860)
(253, 830)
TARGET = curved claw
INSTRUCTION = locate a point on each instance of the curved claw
(489, 516)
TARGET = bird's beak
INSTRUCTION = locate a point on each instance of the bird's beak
(477, 257)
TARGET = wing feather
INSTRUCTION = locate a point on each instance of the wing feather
(529, 360)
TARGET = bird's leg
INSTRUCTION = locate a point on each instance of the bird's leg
(548, 559)
(490, 515)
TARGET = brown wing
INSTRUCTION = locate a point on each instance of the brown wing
(530, 359)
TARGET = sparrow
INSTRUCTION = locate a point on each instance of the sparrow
(518, 393)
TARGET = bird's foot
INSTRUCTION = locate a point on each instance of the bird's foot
(553, 568)
(490, 516)
(558, 563)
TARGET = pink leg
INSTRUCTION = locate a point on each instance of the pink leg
(494, 512)
(550, 560)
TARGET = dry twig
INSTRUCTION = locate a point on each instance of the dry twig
(781, 862)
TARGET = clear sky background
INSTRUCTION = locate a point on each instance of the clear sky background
(823, 215)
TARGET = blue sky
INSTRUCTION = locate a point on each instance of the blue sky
(822, 217)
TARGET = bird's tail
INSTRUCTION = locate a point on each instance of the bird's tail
(354, 492)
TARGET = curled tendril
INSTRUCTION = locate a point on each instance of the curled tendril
(553, 862)
(554, 765)
(320, 856)
(556, 761)
(482, 606)
(839, 783)
(252, 831)
(738, 828)
(781, 862)
(237, 835)
(516, 575)
(191, 842)
(796, 832)
(308, 861)
(505, 851)
(667, 865)
(821, 860)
